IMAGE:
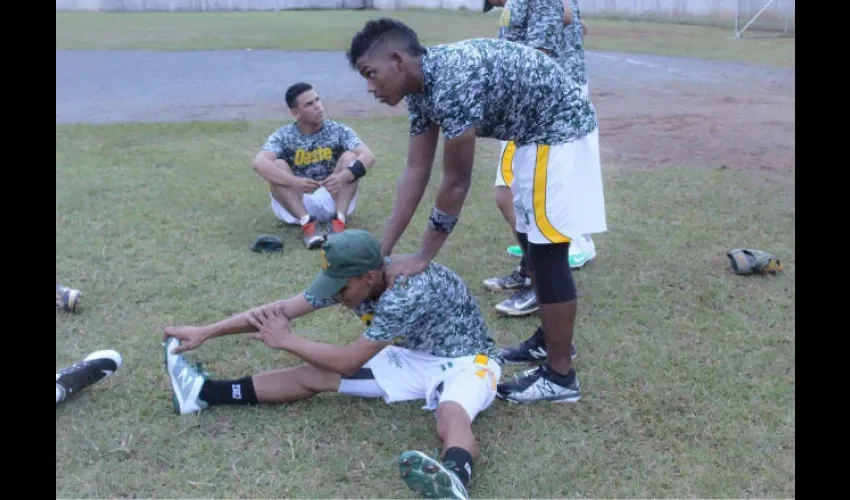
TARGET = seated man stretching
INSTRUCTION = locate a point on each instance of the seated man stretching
(425, 339)
(313, 167)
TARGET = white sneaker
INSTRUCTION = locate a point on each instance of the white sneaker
(186, 381)
(582, 251)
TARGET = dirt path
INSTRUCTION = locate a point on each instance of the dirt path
(654, 111)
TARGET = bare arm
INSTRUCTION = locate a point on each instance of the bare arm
(343, 359)
(458, 158)
(364, 154)
(568, 13)
(265, 165)
(293, 307)
(411, 185)
(568, 17)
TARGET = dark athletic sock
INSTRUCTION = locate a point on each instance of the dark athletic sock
(229, 392)
(460, 461)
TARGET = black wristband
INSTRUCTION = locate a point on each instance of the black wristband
(441, 221)
(357, 168)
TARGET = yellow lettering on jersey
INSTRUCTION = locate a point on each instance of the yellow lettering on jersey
(505, 18)
(367, 318)
(303, 157)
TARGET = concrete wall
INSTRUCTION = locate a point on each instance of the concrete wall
(722, 11)
(674, 7)
(224, 5)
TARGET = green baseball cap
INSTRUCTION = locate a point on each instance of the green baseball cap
(348, 254)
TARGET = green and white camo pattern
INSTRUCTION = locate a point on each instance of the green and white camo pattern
(434, 312)
(536, 23)
(506, 90)
(313, 156)
(540, 24)
(573, 57)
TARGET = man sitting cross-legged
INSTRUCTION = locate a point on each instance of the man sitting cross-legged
(425, 339)
(313, 167)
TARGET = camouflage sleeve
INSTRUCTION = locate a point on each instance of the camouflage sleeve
(545, 24)
(418, 123)
(316, 302)
(274, 143)
(396, 314)
(348, 138)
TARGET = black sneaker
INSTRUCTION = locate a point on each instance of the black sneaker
(531, 350)
(95, 367)
(541, 384)
(511, 281)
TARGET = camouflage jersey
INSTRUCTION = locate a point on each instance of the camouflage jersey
(313, 156)
(573, 56)
(506, 90)
(433, 313)
(540, 24)
(536, 23)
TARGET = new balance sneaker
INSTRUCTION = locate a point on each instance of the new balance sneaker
(521, 303)
(531, 350)
(541, 384)
(428, 477)
(67, 298)
(186, 380)
(95, 367)
(511, 281)
(313, 238)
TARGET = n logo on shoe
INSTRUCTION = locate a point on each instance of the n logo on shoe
(183, 377)
(537, 352)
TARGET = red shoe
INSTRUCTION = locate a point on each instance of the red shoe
(312, 238)
(337, 226)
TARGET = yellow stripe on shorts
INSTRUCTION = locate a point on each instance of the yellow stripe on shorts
(541, 169)
(508, 163)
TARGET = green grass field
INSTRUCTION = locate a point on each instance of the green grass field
(688, 371)
(320, 30)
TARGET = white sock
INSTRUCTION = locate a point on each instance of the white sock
(341, 217)
(305, 219)
(60, 394)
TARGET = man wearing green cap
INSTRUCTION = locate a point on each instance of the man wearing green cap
(425, 339)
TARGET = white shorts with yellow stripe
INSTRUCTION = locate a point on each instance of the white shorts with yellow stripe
(398, 374)
(557, 189)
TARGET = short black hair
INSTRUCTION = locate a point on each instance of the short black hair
(387, 30)
(294, 91)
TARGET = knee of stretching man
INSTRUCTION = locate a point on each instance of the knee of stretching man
(554, 279)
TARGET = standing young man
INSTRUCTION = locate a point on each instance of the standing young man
(502, 90)
(522, 21)
(425, 339)
(313, 167)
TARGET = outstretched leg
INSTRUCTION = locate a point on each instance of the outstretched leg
(464, 395)
(193, 390)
